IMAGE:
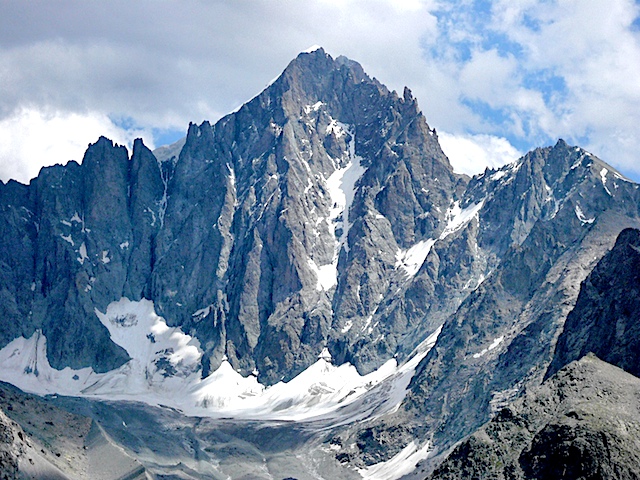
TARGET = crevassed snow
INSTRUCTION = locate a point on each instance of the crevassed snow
(401, 464)
(581, 216)
(24, 363)
(458, 217)
(165, 369)
(412, 259)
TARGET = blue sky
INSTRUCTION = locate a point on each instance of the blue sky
(495, 78)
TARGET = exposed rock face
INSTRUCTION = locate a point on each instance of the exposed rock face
(581, 423)
(272, 234)
(606, 318)
(322, 213)
(10, 448)
(544, 223)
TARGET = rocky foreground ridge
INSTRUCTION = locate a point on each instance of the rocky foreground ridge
(324, 214)
(581, 423)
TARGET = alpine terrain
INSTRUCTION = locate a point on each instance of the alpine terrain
(306, 289)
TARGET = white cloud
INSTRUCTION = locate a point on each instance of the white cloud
(472, 154)
(31, 139)
(472, 70)
(595, 50)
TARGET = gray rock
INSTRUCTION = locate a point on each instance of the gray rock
(605, 319)
(501, 338)
(581, 423)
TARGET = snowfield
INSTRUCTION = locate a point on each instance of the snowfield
(164, 369)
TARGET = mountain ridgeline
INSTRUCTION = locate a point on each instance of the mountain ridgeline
(323, 213)
(241, 240)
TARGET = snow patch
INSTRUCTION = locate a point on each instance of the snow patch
(401, 464)
(458, 217)
(581, 216)
(341, 185)
(335, 128)
(347, 326)
(76, 218)
(148, 340)
(83, 254)
(327, 275)
(493, 345)
(202, 313)
(165, 369)
(105, 257)
(312, 49)
(67, 239)
(124, 245)
(342, 188)
(412, 259)
(24, 363)
(313, 108)
(603, 177)
(325, 355)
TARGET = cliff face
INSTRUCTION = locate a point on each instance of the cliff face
(544, 223)
(606, 318)
(324, 214)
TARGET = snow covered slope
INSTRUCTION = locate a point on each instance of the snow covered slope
(164, 369)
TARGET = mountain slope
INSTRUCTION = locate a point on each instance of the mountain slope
(561, 429)
(274, 232)
(318, 226)
(500, 341)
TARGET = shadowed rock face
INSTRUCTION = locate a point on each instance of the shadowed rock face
(606, 318)
(581, 423)
(9, 448)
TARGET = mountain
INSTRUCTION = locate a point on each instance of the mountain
(561, 428)
(310, 259)
(544, 223)
(244, 240)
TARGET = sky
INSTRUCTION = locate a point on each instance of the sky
(495, 78)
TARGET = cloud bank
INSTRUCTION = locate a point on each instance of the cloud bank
(499, 77)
